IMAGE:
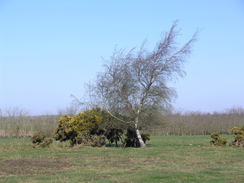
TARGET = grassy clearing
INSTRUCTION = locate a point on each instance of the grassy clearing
(181, 159)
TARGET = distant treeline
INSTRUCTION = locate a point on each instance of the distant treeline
(197, 123)
(21, 126)
(17, 123)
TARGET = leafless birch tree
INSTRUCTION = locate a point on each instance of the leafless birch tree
(135, 79)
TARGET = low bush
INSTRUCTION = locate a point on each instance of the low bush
(40, 140)
(46, 142)
(131, 139)
(79, 126)
(63, 131)
(145, 137)
(91, 140)
(114, 135)
(217, 140)
(238, 136)
(98, 141)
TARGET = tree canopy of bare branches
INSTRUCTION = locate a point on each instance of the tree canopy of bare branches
(138, 78)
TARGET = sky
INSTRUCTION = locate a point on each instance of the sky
(50, 49)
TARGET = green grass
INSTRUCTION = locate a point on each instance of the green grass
(170, 159)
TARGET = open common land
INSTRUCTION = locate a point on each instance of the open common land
(178, 159)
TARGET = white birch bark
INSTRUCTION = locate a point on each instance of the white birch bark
(142, 144)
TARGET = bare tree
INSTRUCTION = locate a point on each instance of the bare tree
(136, 79)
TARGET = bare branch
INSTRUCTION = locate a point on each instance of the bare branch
(134, 80)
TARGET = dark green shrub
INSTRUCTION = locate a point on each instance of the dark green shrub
(97, 131)
(131, 139)
(40, 140)
(114, 135)
(217, 140)
(145, 137)
(239, 136)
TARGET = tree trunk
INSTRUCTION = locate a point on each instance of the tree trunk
(142, 144)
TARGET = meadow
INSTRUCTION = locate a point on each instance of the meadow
(178, 159)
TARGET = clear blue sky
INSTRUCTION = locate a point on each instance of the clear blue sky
(50, 49)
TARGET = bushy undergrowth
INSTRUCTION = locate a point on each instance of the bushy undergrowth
(217, 140)
(91, 140)
(40, 140)
(238, 136)
(131, 139)
(95, 127)
(79, 126)
(114, 135)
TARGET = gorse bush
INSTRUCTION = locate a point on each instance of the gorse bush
(217, 140)
(239, 136)
(83, 128)
(40, 140)
(63, 131)
(82, 124)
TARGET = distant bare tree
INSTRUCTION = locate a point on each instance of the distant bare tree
(134, 80)
(235, 110)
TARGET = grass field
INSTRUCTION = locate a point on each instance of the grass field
(174, 159)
